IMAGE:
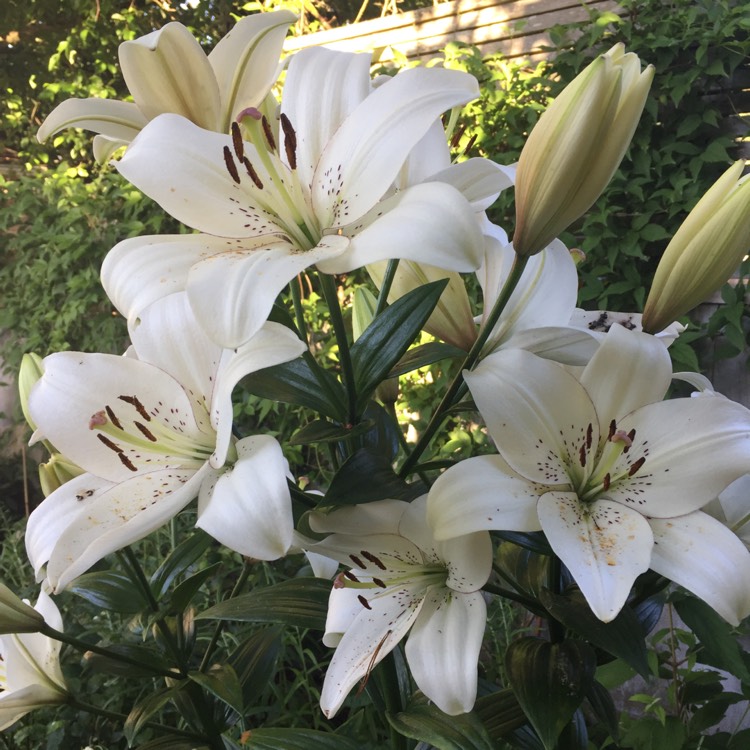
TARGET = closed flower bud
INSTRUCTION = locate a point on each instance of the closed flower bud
(15, 615)
(56, 472)
(31, 370)
(707, 248)
(576, 146)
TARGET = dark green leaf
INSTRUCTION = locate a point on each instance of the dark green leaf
(302, 382)
(144, 709)
(549, 680)
(720, 646)
(388, 337)
(151, 660)
(254, 661)
(296, 739)
(322, 431)
(425, 722)
(172, 743)
(300, 601)
(533, 540)
(622, 637)
(365, 477)
(222, 682)
(107, 589)
(180, 559)
(185, 591)
(603, 706)
(500, 713)
(528, 570)
(423, 355)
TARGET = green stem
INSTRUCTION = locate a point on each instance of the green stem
(390, 407)
(385, 287)
(530, 604)
(328, 284)
(299, 314)
(117, 716)
(519, 264)
(556, 629)
(238, 586)
(84, 646)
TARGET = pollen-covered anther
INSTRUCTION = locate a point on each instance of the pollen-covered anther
(636, 465)
(348, 574)
(237, 144)
(290, 141)
(252, 173)
(373, 559)
(97, 419)
(268, 133)
(112, 417)
(145, 432)
(364, 602)
(230, 165)
(139, 407)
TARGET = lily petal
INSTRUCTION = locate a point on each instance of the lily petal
(482, 493)
(705, 557)
(232, 293)
(245, 62)
(429, 223)
(605, 546)
(362, 159)
(514, 388)
(167, 71)
(321, 89)
(121, 121)
(480, 181)
(248, 508)
(443, 649)
(119, 517)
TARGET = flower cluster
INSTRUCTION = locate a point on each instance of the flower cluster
(345, 172)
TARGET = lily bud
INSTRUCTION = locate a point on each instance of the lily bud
(56, 472)
(575, 148)
(707, 248)
(31, 370)
(16, 616)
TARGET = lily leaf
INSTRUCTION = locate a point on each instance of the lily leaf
(144, 709)
(302, 382)
(222, 682)
(365, 477)
(425, 722)
(720, 646)
(180, 559)
(110, 590)
(387, 338)
(622, 637)
(299, 601)
(295, 739)
(500, 713)
(254, 661)
(150, 659)
(426, 354)
(183, 594)
(322, 431)
(550, 680)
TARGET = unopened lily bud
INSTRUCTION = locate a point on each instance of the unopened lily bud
(707, 248)
(31, 370)
(451, 320)
(56, 472)
(575, 148)
(16, 616)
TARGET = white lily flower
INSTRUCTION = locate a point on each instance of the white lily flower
(167, 71)
(732, 508)
(30, 674)
(322, 196)
(153, 431)
(614, 476)
(403, 580)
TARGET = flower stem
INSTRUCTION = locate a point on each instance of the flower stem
(299, 315)
(84, 646)
(385, 287)
(330, 293)
(516, 271)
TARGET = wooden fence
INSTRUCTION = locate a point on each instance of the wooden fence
(517, 28)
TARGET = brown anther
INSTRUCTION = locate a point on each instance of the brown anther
(589, 436)
(636, 465)
(112, 418)
(290, 141)
(268, 133)
(348, 574)
(237, 144)
(145, 431)
(379, 582)
(631, 437)
(357, 561)
(230, 165)
(612, 429)
(471, 142)
(112, 446)
(369, 556)
(253, 174)
(139, 407)
(97, 419)
(457, 137)
(126, 461)
(582, 455)
(364, 601)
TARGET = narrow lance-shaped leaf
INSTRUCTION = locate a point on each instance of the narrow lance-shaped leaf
(388, 337)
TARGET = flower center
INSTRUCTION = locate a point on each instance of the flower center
(276, 188)
(137, 435)
(606, 468)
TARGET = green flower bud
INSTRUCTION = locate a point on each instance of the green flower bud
(31, 370)
(707, 248)
(575, 148)
(16, 616)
